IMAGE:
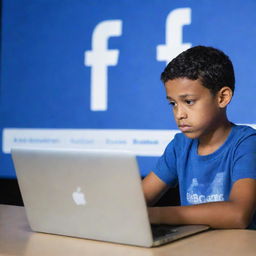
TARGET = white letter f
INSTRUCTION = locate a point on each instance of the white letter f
(174, 45)
(99, 58)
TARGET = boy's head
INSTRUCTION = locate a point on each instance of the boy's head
(211, 66)
(199, 84)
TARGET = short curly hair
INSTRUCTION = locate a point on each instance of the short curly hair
(211, 66)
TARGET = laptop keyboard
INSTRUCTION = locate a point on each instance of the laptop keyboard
(160, 231)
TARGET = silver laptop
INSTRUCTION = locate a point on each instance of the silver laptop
(89, 194)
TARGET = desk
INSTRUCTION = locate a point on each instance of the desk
(16, 238)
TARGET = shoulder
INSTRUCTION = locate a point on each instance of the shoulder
(244, 138)
(244, 130)
(244, 134)
(244, 153)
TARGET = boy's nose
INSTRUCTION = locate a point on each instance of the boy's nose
(180, 114)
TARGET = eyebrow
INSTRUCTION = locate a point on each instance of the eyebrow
(181, 96)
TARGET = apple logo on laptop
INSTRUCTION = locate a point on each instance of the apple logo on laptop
(79, 197)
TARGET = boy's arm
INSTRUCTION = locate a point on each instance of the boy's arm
(235, 213)
(153, 188)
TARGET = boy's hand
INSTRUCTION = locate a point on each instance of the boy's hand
(235, 213)
(153, 214)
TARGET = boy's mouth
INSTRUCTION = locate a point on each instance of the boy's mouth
(184, 127)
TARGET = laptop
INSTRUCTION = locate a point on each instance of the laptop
(93, 194)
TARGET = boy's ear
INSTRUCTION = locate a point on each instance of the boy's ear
(224, 96)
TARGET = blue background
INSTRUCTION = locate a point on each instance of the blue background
(44, 83)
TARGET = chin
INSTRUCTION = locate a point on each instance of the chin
(191, 135)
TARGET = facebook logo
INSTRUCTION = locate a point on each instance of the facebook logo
(100, 57)
(173, 35)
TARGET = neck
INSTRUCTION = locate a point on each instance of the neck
(214, 138)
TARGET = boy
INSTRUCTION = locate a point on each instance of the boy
(212, 160)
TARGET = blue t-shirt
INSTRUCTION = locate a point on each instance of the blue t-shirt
(209, 178)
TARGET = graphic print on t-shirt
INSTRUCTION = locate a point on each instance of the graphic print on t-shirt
(203, 193)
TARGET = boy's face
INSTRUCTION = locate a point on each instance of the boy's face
(195, 109)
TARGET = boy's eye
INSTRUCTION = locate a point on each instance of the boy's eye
(172, 103)
(190, 102)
